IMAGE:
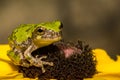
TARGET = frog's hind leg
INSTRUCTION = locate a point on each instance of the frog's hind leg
(15, 57)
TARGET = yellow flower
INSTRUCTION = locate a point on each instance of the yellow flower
(108, 68)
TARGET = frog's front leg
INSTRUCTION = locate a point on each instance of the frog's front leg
(38, 62)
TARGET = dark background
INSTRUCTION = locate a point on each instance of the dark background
(97, 22)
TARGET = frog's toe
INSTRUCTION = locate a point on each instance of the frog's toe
(48, 63)
(42, 57)
(40, 61)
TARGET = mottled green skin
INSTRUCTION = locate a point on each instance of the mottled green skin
(24, 31)
(21, 47)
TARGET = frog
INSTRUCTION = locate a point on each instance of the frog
(27, 38)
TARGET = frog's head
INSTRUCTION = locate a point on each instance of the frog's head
(47, 33)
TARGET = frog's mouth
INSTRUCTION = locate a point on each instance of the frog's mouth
(47, 38)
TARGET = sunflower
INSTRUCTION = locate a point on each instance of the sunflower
(107, 68)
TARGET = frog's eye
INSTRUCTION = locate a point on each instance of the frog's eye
(39, 30)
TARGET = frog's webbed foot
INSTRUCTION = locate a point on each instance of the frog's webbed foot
(41, 63)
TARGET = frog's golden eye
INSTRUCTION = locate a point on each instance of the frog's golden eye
(39, 31)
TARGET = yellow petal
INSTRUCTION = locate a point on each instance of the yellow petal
(108, 68)
(105, 63)
(3, 51)
(6, 65)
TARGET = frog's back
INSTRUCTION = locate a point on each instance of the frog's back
(21, 33)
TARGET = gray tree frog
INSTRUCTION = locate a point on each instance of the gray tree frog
(28, 37)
